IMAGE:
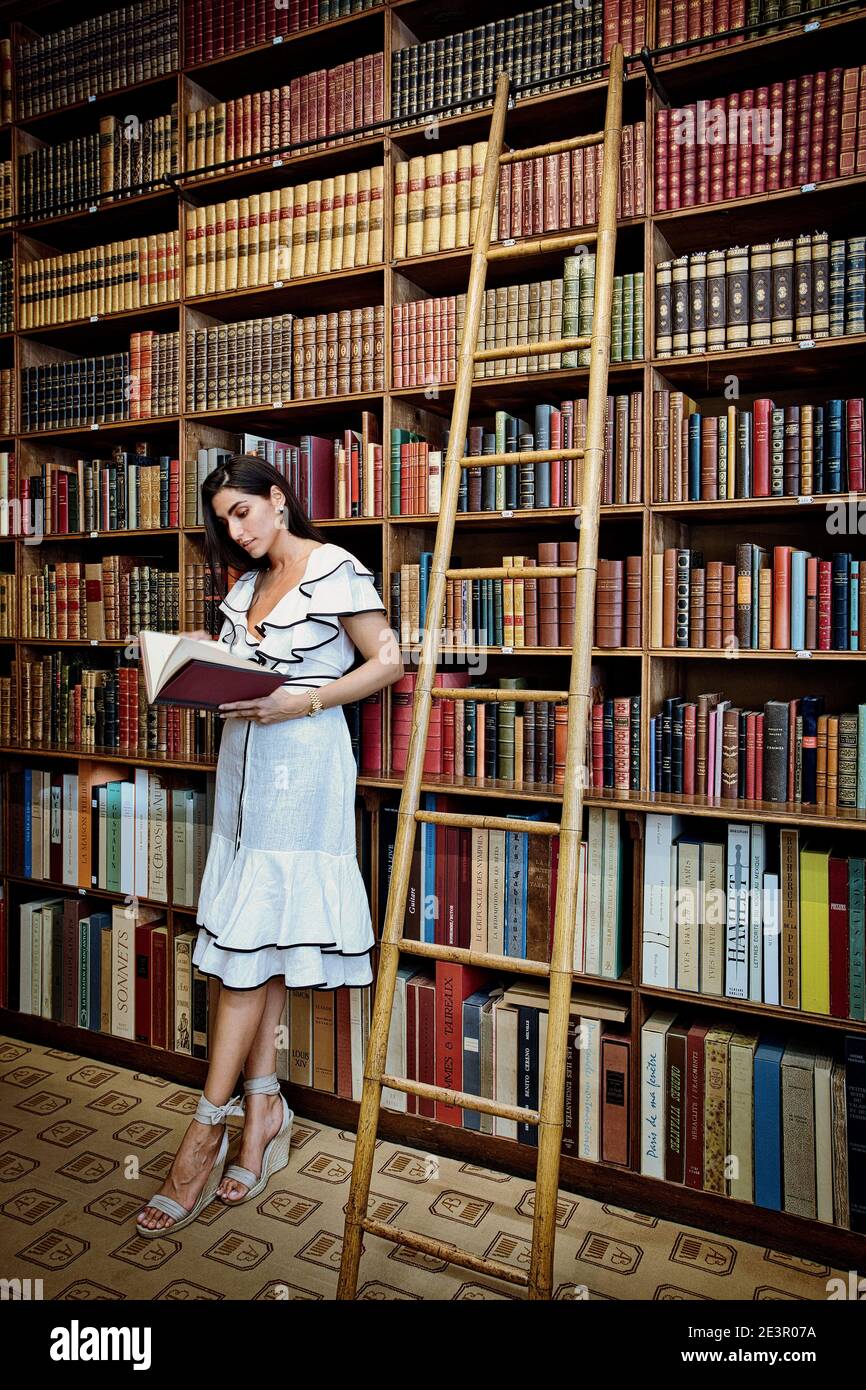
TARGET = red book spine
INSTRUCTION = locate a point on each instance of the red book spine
(745, 147)
(819, 116)
(732, 106)
(854, 434)
(762, 412)
(789, 134)
(774, 159)
(662, 134)
(759, 757)
(689, 749)
(454, 984)
(694, 1107)
(781, 597)
(717, 117)
(751, 750)
(688, 165)
(832, 124)
(760, 152)
(825, 604)
(665, 34)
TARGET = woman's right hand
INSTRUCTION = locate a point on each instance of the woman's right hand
(198, 636)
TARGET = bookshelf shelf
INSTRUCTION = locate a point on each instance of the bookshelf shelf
(751, 1006)
(832, 367)
(746, 654)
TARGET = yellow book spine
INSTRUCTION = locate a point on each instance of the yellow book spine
(814, 931)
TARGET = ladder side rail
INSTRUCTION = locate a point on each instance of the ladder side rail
(552, 1103)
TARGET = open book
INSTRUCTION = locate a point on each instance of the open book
(204, 675)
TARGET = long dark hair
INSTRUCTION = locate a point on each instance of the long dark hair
(245, 473)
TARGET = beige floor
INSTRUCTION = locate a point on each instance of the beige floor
(83, 1144)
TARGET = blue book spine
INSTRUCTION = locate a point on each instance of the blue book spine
(854, 607)
(424, 566)
(694, 458)
(472, 1053)
(841, 571)
(768, 1125)
(857, 937)
(516, 858)
(798, 599)
(98, 920)
(542, 441)
(652, 751)
(756, 570)
(428, 871)
(28, 823)
(819, 484)
(527, 1070)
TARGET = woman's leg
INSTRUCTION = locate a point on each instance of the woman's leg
(238, 1019)
(263, 1113)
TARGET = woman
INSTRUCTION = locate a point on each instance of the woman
(282, 902)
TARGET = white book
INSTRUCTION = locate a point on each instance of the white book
(824, 1136)
(660, 832)
(505, 1064)
(772, 938)
(496, 894)
(356, 1005)
(434, 480)
(653, 1111)
(589, 1090)
(594, 880)
(737, 925)
(687, 933)
(717, 756)
(141, 809)
(756, 913)
(713, 914)
(189, 833)
(49, 926)
(157, 839)
(127, 838)
(741, 1087)
(70, 829)
(610, 927)
(478, 869)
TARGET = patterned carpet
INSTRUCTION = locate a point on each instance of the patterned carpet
(84, 1144)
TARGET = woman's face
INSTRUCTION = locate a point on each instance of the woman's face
(250, 521)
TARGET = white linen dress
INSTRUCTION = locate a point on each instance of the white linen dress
(281, 892)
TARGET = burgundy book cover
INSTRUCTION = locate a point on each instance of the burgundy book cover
(454, 984)
(143, 982)
(159, 989)
(759, 757)
(55, 841)
(675, 1095)
(751, 750)
(193, 685)
(689, 748)
(838, 886)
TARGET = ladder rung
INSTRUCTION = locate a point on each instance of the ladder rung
(461, 1098)
(515, 572)
(541, 697)
(574, 142)
(451, 1253)
(464, 955)
(527, 456)
(532, 349)
(536, 246)
(474, 822)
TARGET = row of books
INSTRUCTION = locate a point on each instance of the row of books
(69, 702)
(115, 970)
(427, 332)
(326, 225)
(765, 1119)
(547, 48)
(757, 915)
(131, 490)
(95, 829)
(750, 296)
(139, 384)
(122, 275)
(792, 751)
(514, 612)
(494, 891)
(464, 1029)
(102, 53)
(783, 135)
(334, 477)
(313, 111)
(675, 22)
(521, 742)
(217, 27)
(106, 600)
(784, 600)
(268, 361)
(8, 605)
(122, 157)
(762, 450)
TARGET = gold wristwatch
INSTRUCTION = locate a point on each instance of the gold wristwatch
(315, 704)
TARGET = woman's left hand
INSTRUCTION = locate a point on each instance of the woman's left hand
(269, 709)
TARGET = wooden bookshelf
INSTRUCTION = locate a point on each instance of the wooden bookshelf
(391, 540)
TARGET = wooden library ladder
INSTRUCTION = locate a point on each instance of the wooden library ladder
(550, 1117)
